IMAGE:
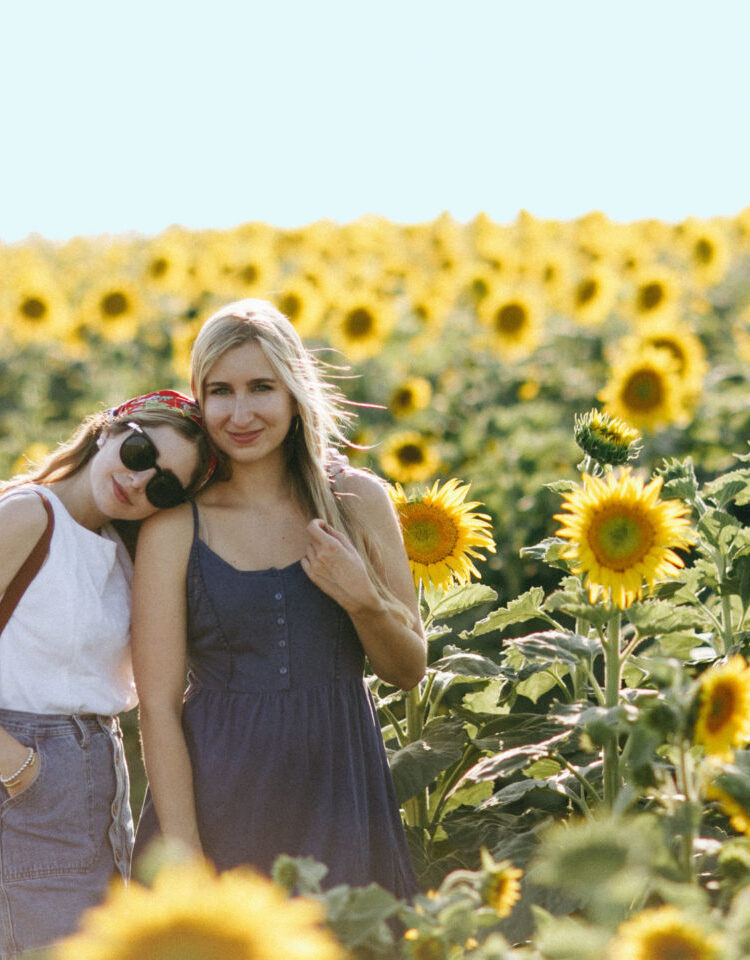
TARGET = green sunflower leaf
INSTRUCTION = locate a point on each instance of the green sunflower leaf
(418, 764)
(731, 487)
(656, 617)
(526, 607)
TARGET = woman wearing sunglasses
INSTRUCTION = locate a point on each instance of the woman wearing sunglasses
(272, 587)
(65, 822)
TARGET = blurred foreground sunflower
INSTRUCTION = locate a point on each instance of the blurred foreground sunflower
(661, 933)
(622, 536)
(723, 720)
(191, 912)
(501, 889)
(442, 533)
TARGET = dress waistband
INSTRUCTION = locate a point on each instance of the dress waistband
(57, 724)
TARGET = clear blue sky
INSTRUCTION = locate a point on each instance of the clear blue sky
(136, 115)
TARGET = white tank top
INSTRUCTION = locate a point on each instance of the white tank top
(66, 649)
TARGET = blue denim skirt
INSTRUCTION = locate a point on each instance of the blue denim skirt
(63, 838)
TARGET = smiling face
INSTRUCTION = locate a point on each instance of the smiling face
(120, 493)
(247, 408)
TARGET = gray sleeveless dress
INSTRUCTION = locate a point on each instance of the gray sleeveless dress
(282, 732)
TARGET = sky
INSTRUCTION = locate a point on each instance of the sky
(118, 117)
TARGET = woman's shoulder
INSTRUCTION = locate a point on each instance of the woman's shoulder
(22, 512)
(367, 487)
(173, 524)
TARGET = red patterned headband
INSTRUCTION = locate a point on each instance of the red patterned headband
(165, 400)
(159, 400)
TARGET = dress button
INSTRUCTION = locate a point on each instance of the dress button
(282, 643)
(280, 621)
(278, 596)
(282, 670)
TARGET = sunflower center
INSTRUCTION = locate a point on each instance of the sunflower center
(410, 454)
(429, 534)
(403, 399)
(650, 295)
(643, 390)
(480, 288)
(291, 305)
(158, 267)
(33, 308)
(586, 292)
(114, 304)
(620, 538)
(704, 250)
(510, 319)
(182, 940)
(359, 322)
(722, 706)
(672, 946)
(249, 273)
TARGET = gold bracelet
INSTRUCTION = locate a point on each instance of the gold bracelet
(14, 777)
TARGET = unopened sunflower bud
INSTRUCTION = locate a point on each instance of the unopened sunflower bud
(606, 439)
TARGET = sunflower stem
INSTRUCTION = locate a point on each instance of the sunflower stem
(685, 786)
(613, 664)
(416, 807)
(726, 616)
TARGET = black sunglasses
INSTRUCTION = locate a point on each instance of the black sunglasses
(138, 452)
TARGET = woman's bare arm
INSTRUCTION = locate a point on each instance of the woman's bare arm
(159, 664)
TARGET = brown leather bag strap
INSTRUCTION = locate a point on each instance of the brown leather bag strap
(29, 568)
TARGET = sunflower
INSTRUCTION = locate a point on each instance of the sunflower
(192, 912)
(723, 720)
(238, 264)
(408, 457)
(442, 532)
(655, 294)
(682, 344)
(621, 534)
(646, 391)
(592, 295)
(113, 308)
(606, 439)
(361, 326)
(661, 933)
(512, 319)
(502, 887)
(168, 263)
(739, 817)
(706, 250)
(428, 947)
(300, 300)
(411, 395)
(33, 304)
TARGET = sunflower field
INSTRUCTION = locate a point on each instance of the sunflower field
(561, 411)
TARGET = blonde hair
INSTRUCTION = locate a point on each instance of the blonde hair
(322, 409)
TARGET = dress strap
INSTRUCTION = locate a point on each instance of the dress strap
(196, 521)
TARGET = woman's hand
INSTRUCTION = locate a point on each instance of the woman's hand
(333, 564)
(26, 777)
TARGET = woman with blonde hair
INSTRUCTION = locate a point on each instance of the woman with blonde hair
(270, 589)
(65, 672)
